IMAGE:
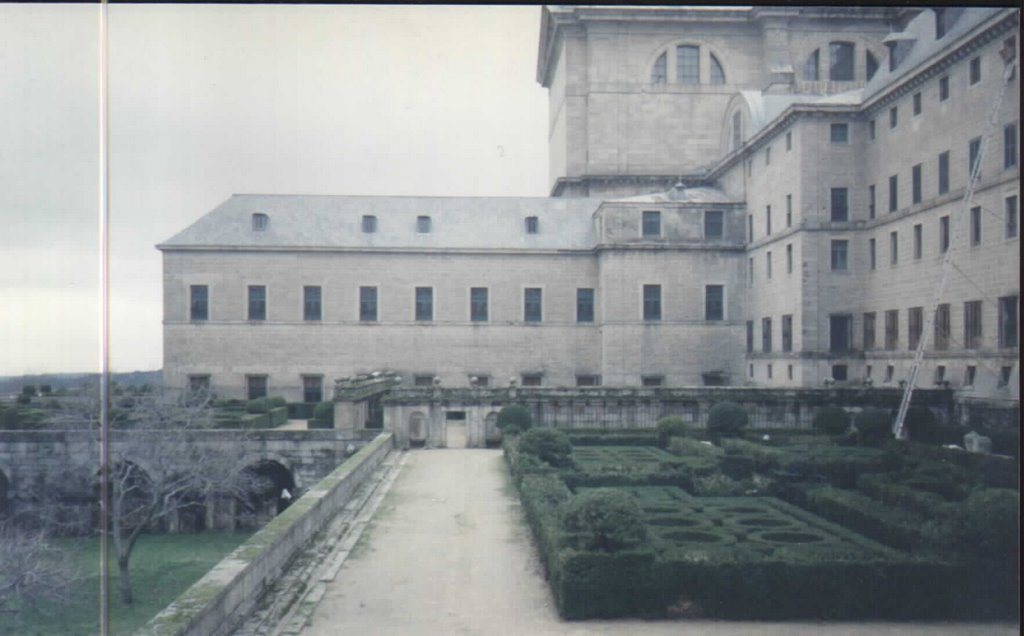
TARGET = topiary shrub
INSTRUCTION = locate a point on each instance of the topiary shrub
(726, 419)
(669, 427)
(548, 445)
(29, 390)
(873, 426)
(23, 399)
(605, 520)
(921, 425)
(277, 401)
(514, 419)
(323, 415)
(259, 405)
(833, 420)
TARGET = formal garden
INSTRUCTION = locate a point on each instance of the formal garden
(838, 522)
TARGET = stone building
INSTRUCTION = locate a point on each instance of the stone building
(739, 196)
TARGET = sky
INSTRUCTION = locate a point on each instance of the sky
(206, 101)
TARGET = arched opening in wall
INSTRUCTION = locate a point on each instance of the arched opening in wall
(417, 429)
(270, 489)
(492, 434)
(191, 516)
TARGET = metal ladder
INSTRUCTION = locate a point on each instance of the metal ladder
(1010, 61)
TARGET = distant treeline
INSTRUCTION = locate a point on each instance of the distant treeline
(12, 384)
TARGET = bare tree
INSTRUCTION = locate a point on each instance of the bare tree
(32, 571)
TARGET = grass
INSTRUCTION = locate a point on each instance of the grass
(163, 566)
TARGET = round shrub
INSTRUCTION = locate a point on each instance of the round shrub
(669, 427)
(514, 419)
(605, 519)
(833, 420)
(726, 419)
(921, 425)
(23, 399)
(323, 414)
(548, 445)
(276, 402)
(873, 425)
(259, 405)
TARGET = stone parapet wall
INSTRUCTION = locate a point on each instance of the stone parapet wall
(217, 602)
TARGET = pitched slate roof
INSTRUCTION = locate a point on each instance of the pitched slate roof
(335, 222)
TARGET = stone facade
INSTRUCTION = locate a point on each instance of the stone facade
(740, 229)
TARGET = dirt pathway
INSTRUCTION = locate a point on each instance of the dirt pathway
(448, 553)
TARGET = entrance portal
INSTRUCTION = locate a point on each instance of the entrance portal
(455, 429)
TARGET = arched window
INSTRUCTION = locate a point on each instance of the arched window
(717, 74)
(688, 64)
(659, 75)
(737, 130)
(259, 221)
(811, 66)
(840, 66)
(871, 64)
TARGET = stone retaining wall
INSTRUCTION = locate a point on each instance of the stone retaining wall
(217, 602)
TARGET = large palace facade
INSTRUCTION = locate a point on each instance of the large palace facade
(762, 197)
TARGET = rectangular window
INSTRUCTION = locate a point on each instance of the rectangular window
(750, 271)
(894, 248)
(872, 263)
(588, 380)
(198, 302)
(1009, 146)
(839, 255)
(943, 88)
(789, 258)
(840, 372)
(652, 224)
(944, 172)
(917, 240)
(531, 379)
(750, 228)
(893, 117)
(750, 336)
(369, 224)
(312, 388)
(368, 304)
(652, 380)
(584, 304)
(532, 304)
(789, 140)
(768, 156)
(714, 302)
(869, 331)
(766, 335)
(1004, 376)
(1010, 207)
(941, 335)
(768, 264)
(423, 224)
(424, 304)
(892, 329)
(423, 380)
(532, 225)
(944, 234)
(311, 303)
(750, 167)
(915, 184)
(787, 332)
(972, 324)
(199, 386)
(1008, 321)
(969, 372)
(973, 156)
(893, 193)
(976, 225)
(871, 201)
(840, 333)
(940, 374)
(768, 221)
(871, 129)
(840, 209)
(714, 224)
(917, 103)
(839, 133)
(255, 386)
(688, 64)
(257, 302)
(975, 70)
(889, 369)
(915, 325)
(478, 304)
(789, 210)
(768, 371)
(652, 302)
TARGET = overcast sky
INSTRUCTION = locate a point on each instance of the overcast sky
(207, 101)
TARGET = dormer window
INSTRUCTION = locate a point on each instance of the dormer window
(945, 18)
(260, 222)
(532, 225)
(369, 224)
(423, 224)
(811, 66)
(840, 67)
(690, 65)
(870, 64)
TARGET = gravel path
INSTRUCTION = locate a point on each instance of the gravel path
(449, 553)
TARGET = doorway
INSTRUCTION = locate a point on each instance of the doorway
(455, 429)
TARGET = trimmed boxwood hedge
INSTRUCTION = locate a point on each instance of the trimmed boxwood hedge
(891, 526)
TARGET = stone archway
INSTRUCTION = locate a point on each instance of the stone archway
(271, 489)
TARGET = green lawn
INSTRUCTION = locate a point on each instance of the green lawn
(163, 566)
